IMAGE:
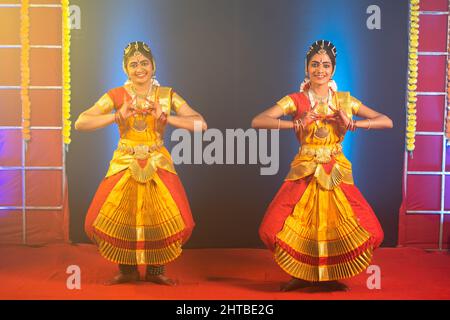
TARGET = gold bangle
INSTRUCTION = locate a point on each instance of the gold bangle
(370, 124)
(279, 124)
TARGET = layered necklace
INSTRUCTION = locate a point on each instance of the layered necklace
(319, 100)
(321, 105)
(140, 123)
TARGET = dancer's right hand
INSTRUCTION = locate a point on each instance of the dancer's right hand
(308, 117)
(127, 110)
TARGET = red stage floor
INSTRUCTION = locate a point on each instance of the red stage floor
(222, 274)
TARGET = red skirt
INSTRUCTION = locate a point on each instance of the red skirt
(117, 248)
(296, 257)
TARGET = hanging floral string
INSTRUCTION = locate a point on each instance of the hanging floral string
(412, 75)
(66, 71)
(447, 126)
(25, 70)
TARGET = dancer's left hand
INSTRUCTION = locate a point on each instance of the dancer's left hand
(160, 118)
(342, 118)
(156, 110)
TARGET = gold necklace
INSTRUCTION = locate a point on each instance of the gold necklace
(320, 99)
(321, 131)
(140, 122)
(141, 95)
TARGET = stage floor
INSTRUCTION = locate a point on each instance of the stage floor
(217, 274)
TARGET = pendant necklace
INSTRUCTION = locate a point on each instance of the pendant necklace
(140, 123)
(321, 104)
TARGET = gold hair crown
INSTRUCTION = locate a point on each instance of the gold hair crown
(322, 44)
(136, 47)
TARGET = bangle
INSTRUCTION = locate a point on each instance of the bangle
(279, 124)
(370, 124)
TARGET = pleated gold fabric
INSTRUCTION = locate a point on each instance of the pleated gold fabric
(322, 238)
(139, 223)
(323, 272)
(134, 218)
(322, 228)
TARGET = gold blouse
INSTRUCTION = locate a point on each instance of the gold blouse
(138, 138)
(321, 143)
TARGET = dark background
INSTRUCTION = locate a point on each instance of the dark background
(231, 59)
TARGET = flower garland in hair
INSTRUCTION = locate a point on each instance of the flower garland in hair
(25, 70)
(66, 71)
(412, 75)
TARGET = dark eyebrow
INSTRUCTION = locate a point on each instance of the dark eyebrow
(322, 62)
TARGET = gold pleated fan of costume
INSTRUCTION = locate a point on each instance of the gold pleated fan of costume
(323, 225)
(139, 223)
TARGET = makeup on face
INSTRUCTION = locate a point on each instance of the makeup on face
(320, 68)
(139, 68)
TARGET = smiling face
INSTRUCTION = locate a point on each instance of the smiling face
(320, 69)
(139, 69)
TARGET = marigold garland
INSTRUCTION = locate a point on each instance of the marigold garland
(413, 62)
(66, 71)
(447, 126)
(25, 69)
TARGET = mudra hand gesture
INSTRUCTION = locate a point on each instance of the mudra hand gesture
(126, 110)
(305, 120)
(160, 117)
(344, 121)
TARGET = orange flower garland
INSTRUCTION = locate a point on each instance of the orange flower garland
(412, 75)
(66, 71)
(447, 125)
(25, 69)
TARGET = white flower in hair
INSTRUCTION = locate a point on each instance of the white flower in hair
(333, 85)
(303, 84)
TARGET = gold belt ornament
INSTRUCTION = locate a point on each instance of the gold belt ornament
(140, 152)
(321, 154)
(142, 168)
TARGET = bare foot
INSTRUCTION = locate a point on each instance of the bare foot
(123, 278)
(295, 284)
(333, 286)
(161, 279)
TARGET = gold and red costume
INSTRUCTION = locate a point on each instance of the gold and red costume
(319, 226)
(140, 214)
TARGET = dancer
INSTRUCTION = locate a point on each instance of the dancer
(140, 214)
(319, 226)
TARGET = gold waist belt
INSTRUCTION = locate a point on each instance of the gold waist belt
(321, 154)
(142, 151)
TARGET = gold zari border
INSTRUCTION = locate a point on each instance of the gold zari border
(133, 257)
(308, 272)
